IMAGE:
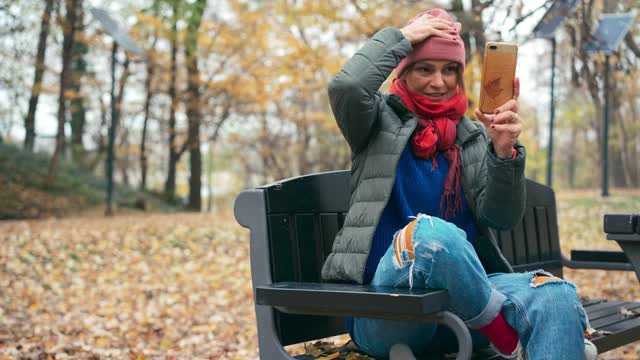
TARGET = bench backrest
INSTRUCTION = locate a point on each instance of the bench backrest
(305, 213)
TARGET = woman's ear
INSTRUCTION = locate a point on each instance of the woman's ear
(403, 76)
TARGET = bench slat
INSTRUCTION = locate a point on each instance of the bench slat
(282, 247)
(621, 333)
(329, 225)
(612, 316)
(530, 236)
(614, 329)
(307, 235)
(602, 317)
(596, 310)
(506, 245)
(590, 302)
(542, 230)
(520, 247)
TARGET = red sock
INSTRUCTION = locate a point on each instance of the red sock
(501, 335)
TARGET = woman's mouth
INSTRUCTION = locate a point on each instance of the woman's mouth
(435, 94)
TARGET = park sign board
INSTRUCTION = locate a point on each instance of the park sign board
(611, 30)
(553, 18)
(113, 29)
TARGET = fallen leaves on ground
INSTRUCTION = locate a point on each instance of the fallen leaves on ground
(139, 286)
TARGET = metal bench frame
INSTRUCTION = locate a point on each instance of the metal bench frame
(292, 225)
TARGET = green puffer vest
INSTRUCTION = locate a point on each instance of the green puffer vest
(377, 127)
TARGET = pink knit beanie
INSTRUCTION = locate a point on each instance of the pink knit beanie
(435, 47)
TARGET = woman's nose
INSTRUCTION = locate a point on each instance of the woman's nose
(437, 80)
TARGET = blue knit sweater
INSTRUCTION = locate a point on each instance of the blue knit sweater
(412, 175)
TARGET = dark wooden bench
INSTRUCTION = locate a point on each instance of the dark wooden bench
(292, 226)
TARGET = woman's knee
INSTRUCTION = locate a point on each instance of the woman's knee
(555, 298)
(428, 237)
(432, 235)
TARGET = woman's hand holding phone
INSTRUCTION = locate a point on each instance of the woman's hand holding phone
(504, 125)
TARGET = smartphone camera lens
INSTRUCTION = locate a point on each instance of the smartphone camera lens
(493, 47)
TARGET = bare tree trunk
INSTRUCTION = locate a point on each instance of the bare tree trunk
(121, 86)
(209, 177)
(572, 161)
(619, 172)
(473, 32)
(147, 104)
(634, 148)
(69, 32)
(194, 106)
(76, 106)
(30, 120)
(170, 183)
(143, 141)
(123, 161)
(304, 165)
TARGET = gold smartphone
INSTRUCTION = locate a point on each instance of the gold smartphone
(498, 72)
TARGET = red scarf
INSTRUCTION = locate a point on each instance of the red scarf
(436, 131)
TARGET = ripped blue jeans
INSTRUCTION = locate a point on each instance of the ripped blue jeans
(432, 253)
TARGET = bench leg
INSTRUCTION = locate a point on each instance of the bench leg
(460, 329)
(632, 250)
(271, 349)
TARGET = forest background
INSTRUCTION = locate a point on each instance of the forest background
(231, 94)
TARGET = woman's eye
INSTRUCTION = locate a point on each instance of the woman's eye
(451, 69)
(423, 70)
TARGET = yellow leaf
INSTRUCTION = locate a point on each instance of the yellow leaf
(329, 357)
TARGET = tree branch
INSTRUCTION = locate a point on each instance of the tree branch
(525, 16)
(628, 39)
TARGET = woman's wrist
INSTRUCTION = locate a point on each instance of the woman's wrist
(505, 154)
(407, 35)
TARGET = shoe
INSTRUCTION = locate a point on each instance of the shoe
(590, 350)
(401, 352)
(517, 354)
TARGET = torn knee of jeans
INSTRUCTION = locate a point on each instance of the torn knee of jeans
(540, 278)
(425, 216)
(427, 251)
(434, 246)
(403, 246)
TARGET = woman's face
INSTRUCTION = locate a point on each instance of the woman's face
(435, 79)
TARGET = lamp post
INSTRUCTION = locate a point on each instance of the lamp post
(546, 28)
(606, 39)
(120, 38)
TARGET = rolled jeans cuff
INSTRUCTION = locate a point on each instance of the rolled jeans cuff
(496, 300)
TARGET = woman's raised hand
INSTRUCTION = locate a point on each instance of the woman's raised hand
(504, 125)
(426, 25)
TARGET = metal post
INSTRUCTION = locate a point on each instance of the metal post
(605, 133)
(552, 111)
(112, 132)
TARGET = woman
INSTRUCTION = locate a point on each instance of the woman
(427, 183)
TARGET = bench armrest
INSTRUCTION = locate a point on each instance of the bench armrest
(367, 301)
(598, 259)
(351, 300)
(625, 230)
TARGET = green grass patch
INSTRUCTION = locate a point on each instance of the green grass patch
(28, 193)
